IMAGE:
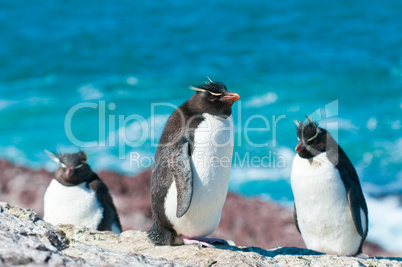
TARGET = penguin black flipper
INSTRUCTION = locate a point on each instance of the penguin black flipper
(170, 165)
(295, 219)
(183, 176)
(353, 188)
(110, 217)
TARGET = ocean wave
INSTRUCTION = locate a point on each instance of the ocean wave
(396, 125)
(23, 84)
(17, 156)
(385, 217)
(14, 154)
(117, 85)
(31, 101)
(394, 187)
(371, 124)
(90, 92)
(133, 162)
(131, 80)
(393, 152)
(6, 103)
(143, 129)
(340, 123)
(275, 165)
(264, 100)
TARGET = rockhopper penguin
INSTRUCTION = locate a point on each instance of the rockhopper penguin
(77, 196)
(192, 166)
(330, 211)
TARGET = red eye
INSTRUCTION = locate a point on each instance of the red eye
(211, 98)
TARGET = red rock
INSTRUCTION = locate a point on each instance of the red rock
(246, 221)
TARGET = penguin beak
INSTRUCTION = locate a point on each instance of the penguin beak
(232, 97)
(69, 172)
(299, 146)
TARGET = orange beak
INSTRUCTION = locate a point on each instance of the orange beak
(69, 172)
(299, 146)
(232, 97)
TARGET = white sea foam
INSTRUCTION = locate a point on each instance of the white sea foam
(364, 163)
(391, 187)
(97, 89)
(108, 160)
(385, 227)
(396, 125)
(394, 152)
(144, 129)
(372, 124)
(340, 123)
(264, 100)
(16, 155)
(293, 109)
(130, 80)
(90, 92)
(6, 103)
(274, 165)
(31, 82)
(32, 101)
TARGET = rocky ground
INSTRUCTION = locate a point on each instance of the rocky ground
(25, 239)
(248, 222)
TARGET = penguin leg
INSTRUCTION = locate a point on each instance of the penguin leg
(161, 236)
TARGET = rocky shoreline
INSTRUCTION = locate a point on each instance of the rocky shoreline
(25, 239)
(248, 222)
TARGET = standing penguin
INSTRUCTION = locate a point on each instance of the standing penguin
(77, 196)
(330, 211)
(192, 166)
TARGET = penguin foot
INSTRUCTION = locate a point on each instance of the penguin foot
(362, 256)
(188, 241)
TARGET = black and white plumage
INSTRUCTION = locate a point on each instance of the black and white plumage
(77, 196)
(330, 209)
(192, 166)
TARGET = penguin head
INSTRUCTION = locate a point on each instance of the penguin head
(73, 168)
(312, 139)
(213, 98)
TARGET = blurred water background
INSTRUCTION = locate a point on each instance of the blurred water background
(285, 58)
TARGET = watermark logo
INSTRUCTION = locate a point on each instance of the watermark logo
(130, 132)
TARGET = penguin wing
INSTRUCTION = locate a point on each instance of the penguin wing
(355, 206)
(355, 197)
(295, 219)
(110, 215)
(183, 177)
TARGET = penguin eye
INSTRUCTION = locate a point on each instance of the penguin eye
(63, 165)
(211, 98)
(79, 166)
(311, 141)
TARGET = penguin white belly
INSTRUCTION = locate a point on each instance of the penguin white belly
(76, 205)
(211, 163)
(323, 213)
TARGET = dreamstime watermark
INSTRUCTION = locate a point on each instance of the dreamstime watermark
(114, 131)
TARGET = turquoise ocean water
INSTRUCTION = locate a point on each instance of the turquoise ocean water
(105, 75)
